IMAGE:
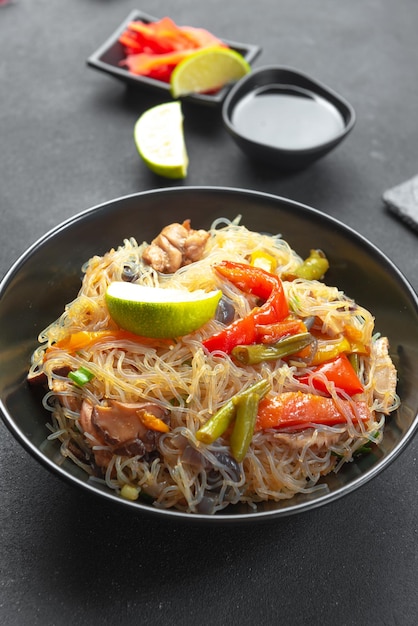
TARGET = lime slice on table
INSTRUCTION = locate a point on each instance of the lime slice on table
(157, 312)
(206, 70)
(159, 139)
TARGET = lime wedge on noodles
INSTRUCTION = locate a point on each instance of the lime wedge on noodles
(159, 139)
(157, 312)
(207, 70)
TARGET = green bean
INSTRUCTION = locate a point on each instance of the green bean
(257, 353)
(219, 422)
(244, 426)
(354, 360)
(314, 267)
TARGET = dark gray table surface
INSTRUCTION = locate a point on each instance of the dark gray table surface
(65, 145)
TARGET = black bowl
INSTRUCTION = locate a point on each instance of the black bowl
(285, 118)
(47, 276)
(108, 56)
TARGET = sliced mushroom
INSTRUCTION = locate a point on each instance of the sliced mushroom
(38, 377)
(136, 447)
(119, 427)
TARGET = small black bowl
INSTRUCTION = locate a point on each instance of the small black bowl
(284, 117)
(107, 58)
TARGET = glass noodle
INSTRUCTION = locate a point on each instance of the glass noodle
(190, 385)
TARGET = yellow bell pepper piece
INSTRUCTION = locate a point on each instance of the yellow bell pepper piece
(263, 260)
(328, 350)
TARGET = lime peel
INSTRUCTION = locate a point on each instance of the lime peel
(159, 139)
(157, 312)
(206, 70)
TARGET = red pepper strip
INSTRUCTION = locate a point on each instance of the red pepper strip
(165, 36)
(158, 37)
(251, 279)
(130, 43)
(157, 66)
(240, 333)
(201, 38)
(294, 409)
(154, 49)
(338, 371)
(271, 333)
(260, 283)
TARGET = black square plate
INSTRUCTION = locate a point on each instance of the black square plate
(108, 56)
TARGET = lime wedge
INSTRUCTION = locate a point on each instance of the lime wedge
(206, 70)
(159, 313)
(159, 139)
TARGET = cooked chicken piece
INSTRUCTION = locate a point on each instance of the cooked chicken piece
(384, 373)
(177, 245)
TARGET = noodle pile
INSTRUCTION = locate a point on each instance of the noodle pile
(190, 384)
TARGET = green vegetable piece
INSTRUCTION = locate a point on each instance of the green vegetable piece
(355, 362)
(219, 422)
(257, 353)
(146, 497)
(244, 426)
(81, 376)
(365, 449)
(314, 267)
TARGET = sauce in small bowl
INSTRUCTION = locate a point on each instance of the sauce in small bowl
(284, 117)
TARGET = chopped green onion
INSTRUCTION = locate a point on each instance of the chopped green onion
(365, 449)
(81, 376)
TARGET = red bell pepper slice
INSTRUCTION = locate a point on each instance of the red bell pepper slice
(201, 38)
(158, 66)
(156, 37)
(240, 333)
(260, 283)
(154, 49)
(256, 281)
(270, 333)
(338, 371)
(294, 409)
(165, 36)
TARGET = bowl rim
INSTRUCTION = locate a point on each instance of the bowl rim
(249, 51)
(221, 517)
(228, 107)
